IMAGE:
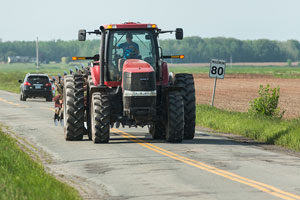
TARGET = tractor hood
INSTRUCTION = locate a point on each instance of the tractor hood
(137, 66)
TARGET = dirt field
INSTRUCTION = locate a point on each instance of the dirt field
(234, 64)
(235, 92)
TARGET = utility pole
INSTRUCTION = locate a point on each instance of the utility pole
(37, 54)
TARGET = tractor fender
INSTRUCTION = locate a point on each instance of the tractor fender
(165, 73)
(95, 72)
(100, 89)
(168, 89)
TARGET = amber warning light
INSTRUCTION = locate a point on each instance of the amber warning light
(78, 58)
(95, 58)
(177, 56)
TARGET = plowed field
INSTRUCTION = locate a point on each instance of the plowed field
(235, 91)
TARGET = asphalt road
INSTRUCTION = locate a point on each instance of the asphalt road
(133, 166)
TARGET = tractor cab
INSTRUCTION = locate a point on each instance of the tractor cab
(124, 44)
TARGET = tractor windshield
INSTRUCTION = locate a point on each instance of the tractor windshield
(129, 44)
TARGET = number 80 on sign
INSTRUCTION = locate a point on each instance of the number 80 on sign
(217, 69)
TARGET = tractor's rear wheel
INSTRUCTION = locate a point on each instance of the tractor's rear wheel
(88, 99)
(186, 81)
(158, 131)
(175, 117)
(73, 107)
(100, 117)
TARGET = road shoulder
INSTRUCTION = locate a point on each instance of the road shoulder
(249, 141)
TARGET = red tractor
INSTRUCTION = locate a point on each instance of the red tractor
(128, 84)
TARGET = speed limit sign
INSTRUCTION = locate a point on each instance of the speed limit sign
(217, 69)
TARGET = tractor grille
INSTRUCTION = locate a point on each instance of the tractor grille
(139, 81)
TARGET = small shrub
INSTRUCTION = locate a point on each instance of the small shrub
(267, 102)
(65, 60)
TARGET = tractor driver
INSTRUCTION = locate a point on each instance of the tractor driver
(130, 49)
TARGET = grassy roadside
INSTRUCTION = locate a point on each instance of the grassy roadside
(22, 178)
(285, 133)
(9, 81)
(11, 73)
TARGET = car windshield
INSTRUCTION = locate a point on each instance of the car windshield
(129, 44)
(37, 79)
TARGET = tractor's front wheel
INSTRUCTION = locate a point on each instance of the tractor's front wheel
(175, 117)
(100, 117)
(73, 108)
(186, 81)
(158, 131)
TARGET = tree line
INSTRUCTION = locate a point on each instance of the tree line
(48, 50)
(195, 49)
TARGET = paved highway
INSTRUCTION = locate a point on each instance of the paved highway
(133, 166)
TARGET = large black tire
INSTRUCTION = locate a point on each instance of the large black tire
(73, 107)
(49, 98)
(88, 114)
(158, 131)
(188, 93)
(22, 97)
(100, 117)
(175, 117)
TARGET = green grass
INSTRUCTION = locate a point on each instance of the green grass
(11, 73)
(285, 133)
(276, 71)
(44, 68)
(22, 178)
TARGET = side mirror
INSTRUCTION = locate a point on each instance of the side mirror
(82, 35)
(20, 81)
(179, 34)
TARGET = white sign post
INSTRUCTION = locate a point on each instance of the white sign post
(216, 70)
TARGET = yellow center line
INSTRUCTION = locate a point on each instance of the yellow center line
(258, 185)
(51, 109)
(14, 104)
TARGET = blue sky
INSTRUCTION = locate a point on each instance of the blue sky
(61, 19)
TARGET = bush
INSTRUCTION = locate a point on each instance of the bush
(267, 102)
(65, 60)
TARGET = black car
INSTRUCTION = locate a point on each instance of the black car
(35, 85)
